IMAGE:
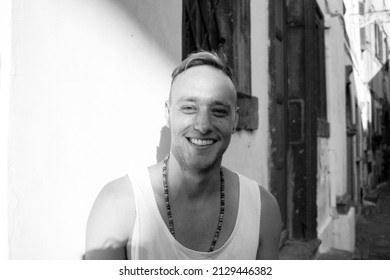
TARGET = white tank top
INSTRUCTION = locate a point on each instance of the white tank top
(152, 239)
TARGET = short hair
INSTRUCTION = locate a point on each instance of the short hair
(214, 59)
(211, 58)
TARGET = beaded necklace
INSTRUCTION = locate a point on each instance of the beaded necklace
(168, 206)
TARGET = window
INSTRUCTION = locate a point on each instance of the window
(378, 43)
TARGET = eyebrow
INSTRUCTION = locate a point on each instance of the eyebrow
(192, 99)
(222, 104)
(195, 99)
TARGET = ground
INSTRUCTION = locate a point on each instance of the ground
(372, 234)
(373, 228)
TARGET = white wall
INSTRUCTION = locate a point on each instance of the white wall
(87, 103)
(5, 72)
(332, 158)
(335, 71)
(323, 186)
(249, 151)
(334, 229)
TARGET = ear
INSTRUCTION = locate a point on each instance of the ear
(167, 112)
(236, 117)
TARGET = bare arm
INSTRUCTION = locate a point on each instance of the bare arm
(111, 222)
(270, 227)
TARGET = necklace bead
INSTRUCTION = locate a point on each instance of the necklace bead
(168, 206)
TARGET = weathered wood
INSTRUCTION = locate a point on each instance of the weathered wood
(277, 108)
(306, 77)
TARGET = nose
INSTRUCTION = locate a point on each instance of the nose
(202, 122)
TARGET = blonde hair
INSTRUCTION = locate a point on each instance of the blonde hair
(211, 58)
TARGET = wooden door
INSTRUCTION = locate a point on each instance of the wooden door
(278, 113)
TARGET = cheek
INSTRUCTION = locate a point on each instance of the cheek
(225, 126)
(180, 121)
(178, 127)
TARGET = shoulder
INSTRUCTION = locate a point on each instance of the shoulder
(115, 198)
(117, 190)
(111, 220)
(270, 226)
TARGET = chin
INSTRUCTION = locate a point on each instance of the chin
(189, 159)
(202, 162)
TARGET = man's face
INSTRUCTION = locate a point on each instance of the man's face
(202, 116)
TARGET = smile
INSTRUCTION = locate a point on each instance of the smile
(201, 142)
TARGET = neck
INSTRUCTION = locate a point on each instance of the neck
(192, 182)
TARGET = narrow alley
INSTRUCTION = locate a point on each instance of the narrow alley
(372, 233)
(373, 227)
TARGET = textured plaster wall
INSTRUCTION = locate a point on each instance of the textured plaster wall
(334, 45)
(332, 155)
(89, 83)
(323, 185)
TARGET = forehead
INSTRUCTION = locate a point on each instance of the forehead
(203, 83)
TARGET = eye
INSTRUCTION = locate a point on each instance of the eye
(188, 109)
(220, 112)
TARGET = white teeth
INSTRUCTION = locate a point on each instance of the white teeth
(201, 142)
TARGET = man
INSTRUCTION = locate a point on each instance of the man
(189, 206)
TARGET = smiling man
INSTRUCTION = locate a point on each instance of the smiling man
(189, 206)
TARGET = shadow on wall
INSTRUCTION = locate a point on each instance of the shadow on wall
(152, 18)
(165, 143)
